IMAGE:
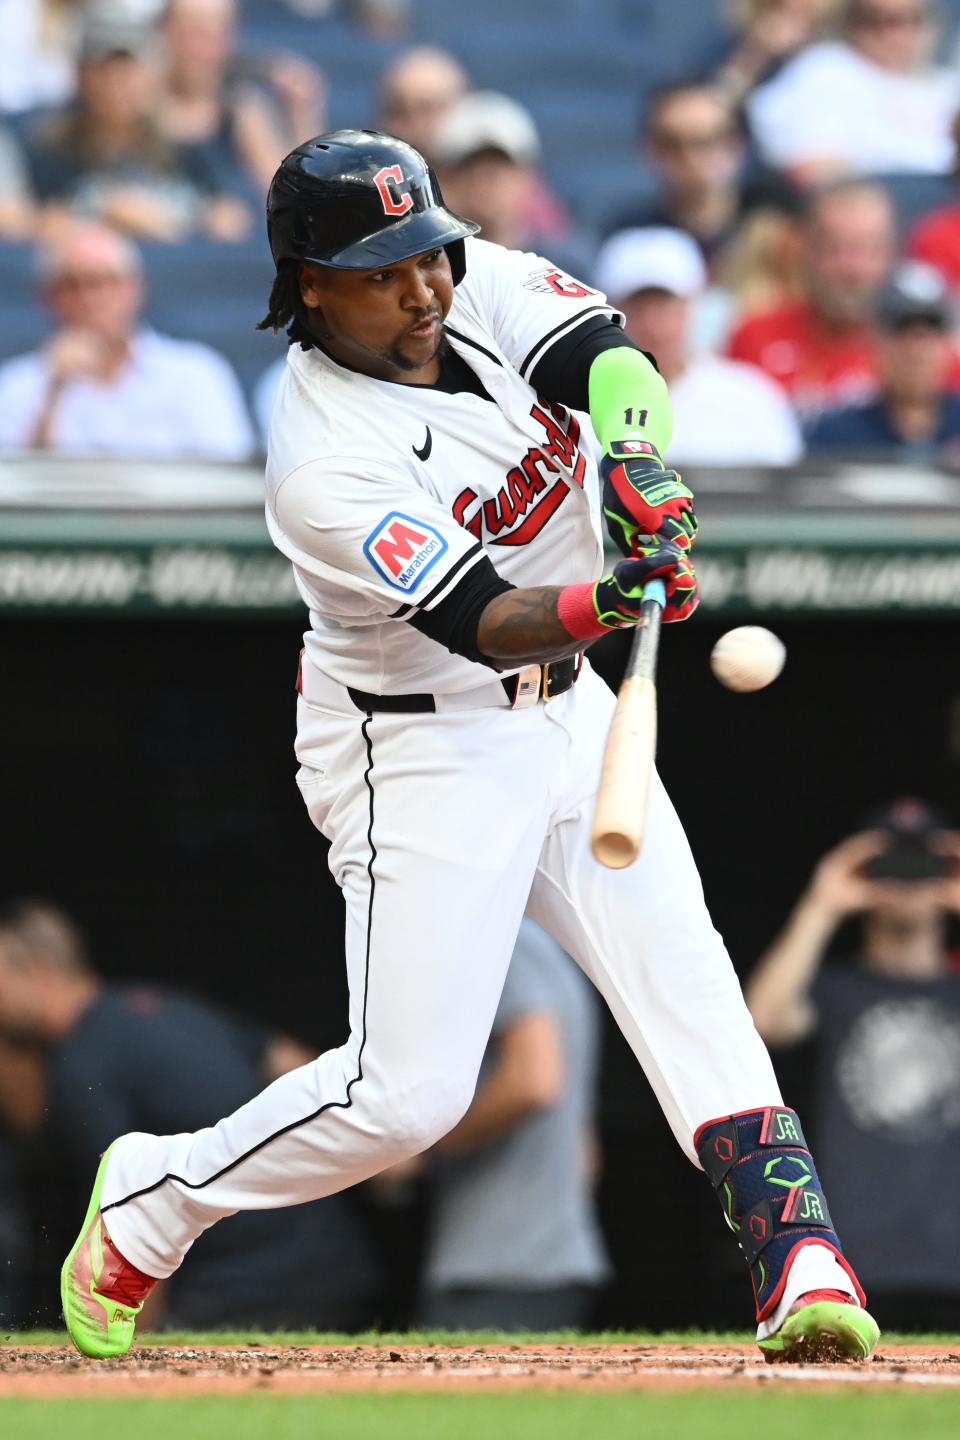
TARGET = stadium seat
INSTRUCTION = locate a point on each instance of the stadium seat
(23, 324)
(917, 195)
(209, 291)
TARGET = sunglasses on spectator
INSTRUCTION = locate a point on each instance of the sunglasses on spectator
(417, 105)
(88, 279)
(928, 323)
(892, 19)
(677, 141)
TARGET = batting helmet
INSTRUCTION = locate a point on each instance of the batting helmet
(358, 200)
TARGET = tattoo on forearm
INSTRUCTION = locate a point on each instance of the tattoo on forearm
(522, 627)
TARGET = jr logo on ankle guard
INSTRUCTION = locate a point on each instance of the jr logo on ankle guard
(806, 1207)
(801, 1172)
(780, 1128)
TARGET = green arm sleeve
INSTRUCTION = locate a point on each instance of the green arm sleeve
(629, 399)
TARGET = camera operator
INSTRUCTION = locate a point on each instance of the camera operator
(887, 1051)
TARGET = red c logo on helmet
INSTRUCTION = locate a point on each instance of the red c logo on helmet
(390, 205)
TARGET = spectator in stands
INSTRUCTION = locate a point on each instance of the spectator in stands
(915, 416)
(107, 384)
(487, 154)
(513, 1240)
(17, 219)
(114, 1058)
(655, 276)
(822, 349)
(14, 1239)
(870, 102)
(417, 92)
(935, 239)
(887, 1051)
(692, 140)
(768, 34)
(37, 53)
(104, 156)
(764, 265)
(22, 1101)
(381, 19)
(264, 396)
(236, 120)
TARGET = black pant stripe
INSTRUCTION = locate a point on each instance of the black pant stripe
(347, 1101)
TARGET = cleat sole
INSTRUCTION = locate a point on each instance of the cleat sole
(822, 1333)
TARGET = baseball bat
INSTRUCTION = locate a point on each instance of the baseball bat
(621, 809)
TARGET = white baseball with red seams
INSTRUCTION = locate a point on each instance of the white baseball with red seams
(445, 827)
(748, 658)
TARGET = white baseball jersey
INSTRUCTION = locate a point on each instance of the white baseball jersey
(447, 823)
(384, 495)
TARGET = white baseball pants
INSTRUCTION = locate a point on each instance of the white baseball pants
(443, 829)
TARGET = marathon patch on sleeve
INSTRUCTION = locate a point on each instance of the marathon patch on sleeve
(402, 550)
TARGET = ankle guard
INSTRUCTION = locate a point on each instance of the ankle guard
(767, 1183)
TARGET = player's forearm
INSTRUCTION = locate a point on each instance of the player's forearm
(629, 397)
(778, 992)
(41, 432)
(523, 627)
(528, 1076)
(548, 622)
(497, 1110)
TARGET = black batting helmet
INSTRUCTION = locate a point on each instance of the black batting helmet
(358, 200)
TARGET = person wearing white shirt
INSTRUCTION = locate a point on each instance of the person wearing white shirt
(264, 395)
(870, 102)
(105, 383)
(37, 55)
(725, 412)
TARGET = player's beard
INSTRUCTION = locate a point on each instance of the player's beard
(394, 356)
(403, 362)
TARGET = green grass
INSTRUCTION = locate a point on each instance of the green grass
(764, 1414)
(276, 1339)
(767, 1412)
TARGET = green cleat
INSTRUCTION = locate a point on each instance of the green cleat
(822, 1330)
(101, 1293)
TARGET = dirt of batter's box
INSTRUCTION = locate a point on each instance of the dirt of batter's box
(305, 1369)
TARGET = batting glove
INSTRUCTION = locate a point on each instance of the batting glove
(618, 596)
(642, 500)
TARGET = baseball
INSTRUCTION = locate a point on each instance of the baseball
(748, 658)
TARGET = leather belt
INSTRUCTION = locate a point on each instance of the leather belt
(532, 684)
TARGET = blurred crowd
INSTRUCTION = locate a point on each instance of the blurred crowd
(498, 1226)
(501, 1217)
(785, 236)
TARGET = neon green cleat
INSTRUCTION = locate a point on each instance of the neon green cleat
(824, 1330)
(101, 1293)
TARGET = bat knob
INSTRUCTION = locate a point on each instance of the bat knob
(614, 851)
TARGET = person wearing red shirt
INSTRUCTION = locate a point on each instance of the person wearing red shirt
(936, 241)
(822, 349)
(935, 238)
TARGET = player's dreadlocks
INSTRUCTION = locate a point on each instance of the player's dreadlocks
(286, 309)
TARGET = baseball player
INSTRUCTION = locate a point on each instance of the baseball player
(431, 482)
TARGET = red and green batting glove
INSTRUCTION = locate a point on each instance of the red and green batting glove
(591, 610)
(633, 418)
(642, 500)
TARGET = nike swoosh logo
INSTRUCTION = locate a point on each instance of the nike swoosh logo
(424, 454)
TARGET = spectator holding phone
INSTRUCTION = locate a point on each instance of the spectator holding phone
(887, 1029)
